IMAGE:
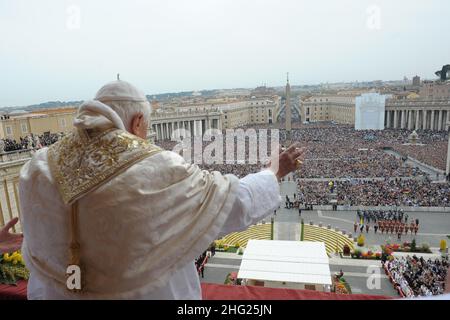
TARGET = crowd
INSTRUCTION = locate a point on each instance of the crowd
(332, 152)
(432, 154)
(378, 164)
(416, 193)
(340, 152)
(417, 276)
(387, 192)
(29, 142)
(240, 167)
(340, 141)
(13, 145)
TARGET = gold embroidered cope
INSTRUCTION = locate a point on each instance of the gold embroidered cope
(80, 163)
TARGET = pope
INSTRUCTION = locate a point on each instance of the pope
(130, 216)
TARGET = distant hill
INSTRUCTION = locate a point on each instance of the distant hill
(169, 95)
(45, 105)
(62, 104)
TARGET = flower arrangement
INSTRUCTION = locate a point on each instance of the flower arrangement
(359, 254)
(405, 247)
(341, 286)
(12, 268)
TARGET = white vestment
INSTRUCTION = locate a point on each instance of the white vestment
(140, 230)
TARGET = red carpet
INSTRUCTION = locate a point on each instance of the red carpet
(18, 292)
(223, 292)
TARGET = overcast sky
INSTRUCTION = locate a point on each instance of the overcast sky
(66, 50)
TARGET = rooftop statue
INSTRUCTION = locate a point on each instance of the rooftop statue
(443, 73)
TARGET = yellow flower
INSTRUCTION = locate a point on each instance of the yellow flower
(6, 257)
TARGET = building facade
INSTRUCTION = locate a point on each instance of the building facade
(196, 119)
(418, 114)
(254, 111)
(53, 121)
(189, 121)
(412, 114)
(433, 90)
(338, 108)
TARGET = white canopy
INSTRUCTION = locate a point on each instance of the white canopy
(286, 261)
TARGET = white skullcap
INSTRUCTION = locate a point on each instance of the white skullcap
(120, 91)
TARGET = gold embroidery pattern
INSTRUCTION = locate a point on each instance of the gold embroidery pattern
(80, 165)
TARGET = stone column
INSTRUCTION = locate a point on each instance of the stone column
(156, 131)
(440, 121)
(195, 128)
(410, 120)
(424, 119)
(395, 119)
(402, 119)
(200, 125)
(175, 127)
(180, 128)
(432, 120)
(447, 122)
(447, 168)
(417, 113)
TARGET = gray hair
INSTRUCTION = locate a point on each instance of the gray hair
(126, 110)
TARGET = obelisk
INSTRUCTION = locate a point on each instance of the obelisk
(288, 111)
(447, 168)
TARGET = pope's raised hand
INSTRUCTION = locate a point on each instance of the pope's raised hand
(288, 160)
